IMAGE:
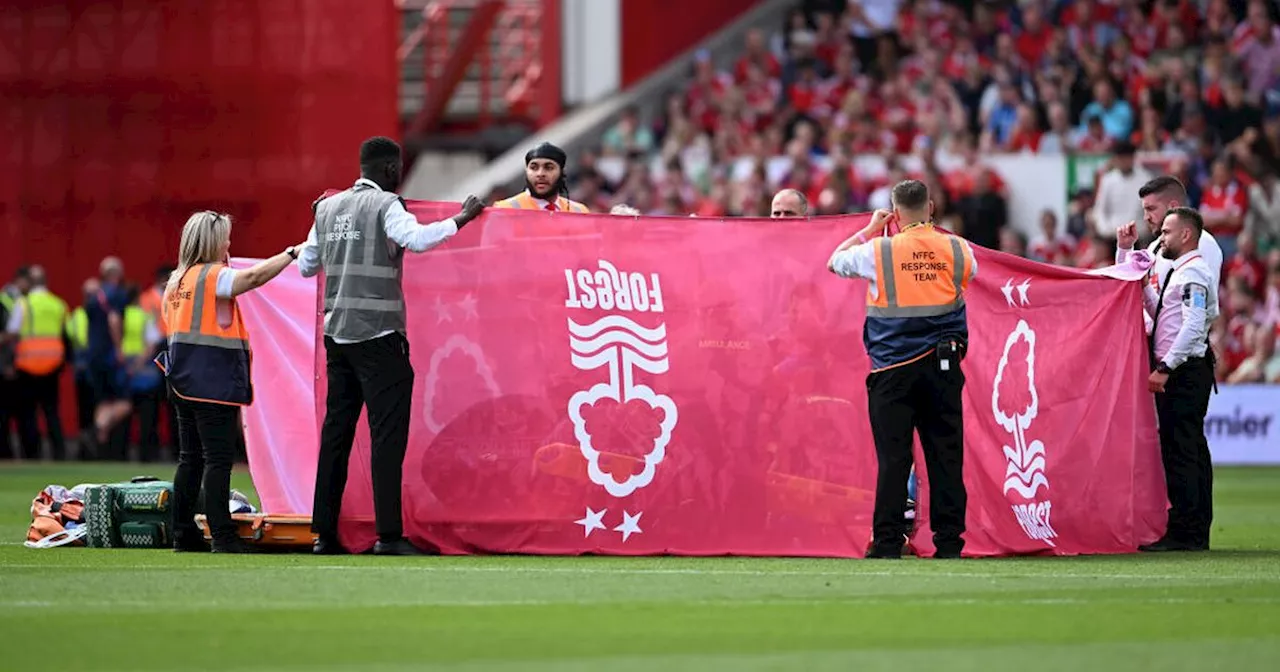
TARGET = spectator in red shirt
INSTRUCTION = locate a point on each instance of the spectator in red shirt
(1034, 35)
(1099, 253)
(756, 52)
(1026, 131)
(803, 93)
(1237, 319)
(1246, 265)
(1223, 206)
(1013, 242)
(1150, 136)
(1094, 140)
(1051, 247)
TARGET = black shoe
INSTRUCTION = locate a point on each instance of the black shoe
(235, 546)
(400, 546)
(947, 554)
(328, 546)
(190, 546)
(884, 551)
(1167, 544)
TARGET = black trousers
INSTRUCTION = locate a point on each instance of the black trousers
(919, 396)
(8, 412)
(377, 374)
(1188, 470)
(38, 395)
(208, 436)
(85, 406)
(146, 408)
(171, 410)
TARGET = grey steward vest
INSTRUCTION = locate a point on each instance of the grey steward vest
(362, 267)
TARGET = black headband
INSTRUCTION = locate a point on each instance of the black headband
(547, 151)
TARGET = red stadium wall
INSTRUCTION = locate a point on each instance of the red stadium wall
(120, 118)
(655, 31)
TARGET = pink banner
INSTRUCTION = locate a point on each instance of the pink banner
(597, 384)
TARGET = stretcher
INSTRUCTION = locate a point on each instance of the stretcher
(276, 532)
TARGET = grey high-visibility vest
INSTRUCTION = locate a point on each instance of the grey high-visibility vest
(362, 267)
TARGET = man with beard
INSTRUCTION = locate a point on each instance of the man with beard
(1181, 307)
(545, 186)
(1158, 197)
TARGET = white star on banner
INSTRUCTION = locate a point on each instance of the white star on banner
(630, 525)
(1022, 291)
(594, 520)
(468, 305)
(1007, 290)
(442, 312)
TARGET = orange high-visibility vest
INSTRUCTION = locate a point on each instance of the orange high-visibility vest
(40, 350)
(919, 273)
(205, 360)
(921, 277)
(525, 201)
(152, 301)
(549, 227)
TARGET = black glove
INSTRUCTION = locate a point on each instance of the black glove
(471, 208)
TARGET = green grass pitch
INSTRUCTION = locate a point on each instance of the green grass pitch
(81, 609)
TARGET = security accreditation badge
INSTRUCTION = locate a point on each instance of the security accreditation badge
(1195, 296)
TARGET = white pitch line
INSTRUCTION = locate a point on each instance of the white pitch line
(277, 605)
(641, 571)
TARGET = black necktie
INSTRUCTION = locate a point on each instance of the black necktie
(1155, 322)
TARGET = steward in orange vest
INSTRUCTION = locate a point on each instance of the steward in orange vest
(41, 349)
(207, 366)
(916, 334)
(545, 185)
(151, 299)
(917, 299)
(205, 360)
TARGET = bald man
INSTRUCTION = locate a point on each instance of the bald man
(789, 204)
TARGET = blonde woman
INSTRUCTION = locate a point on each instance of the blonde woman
(207, 367)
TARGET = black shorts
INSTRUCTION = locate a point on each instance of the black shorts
(104, 378)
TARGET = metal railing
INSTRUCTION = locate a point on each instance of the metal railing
(510, 66)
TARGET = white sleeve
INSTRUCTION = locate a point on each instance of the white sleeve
(151, 334)
(858, 261)
(404, 229)
(1194, 329)
(1122, 253)
(1211, 252)
(309, 255)
(225, 280)
(15, 319)
(1100, 218)
(973, 260)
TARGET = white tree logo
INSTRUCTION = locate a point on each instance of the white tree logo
(458, 343)
(622, 346)
(1025, 473)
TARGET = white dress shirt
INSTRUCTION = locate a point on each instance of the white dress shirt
(860, 261)
(402, 229)
(1210, 252)
(1117, 202)
(1186, 310)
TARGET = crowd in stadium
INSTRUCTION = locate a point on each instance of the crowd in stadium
(847, 99)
